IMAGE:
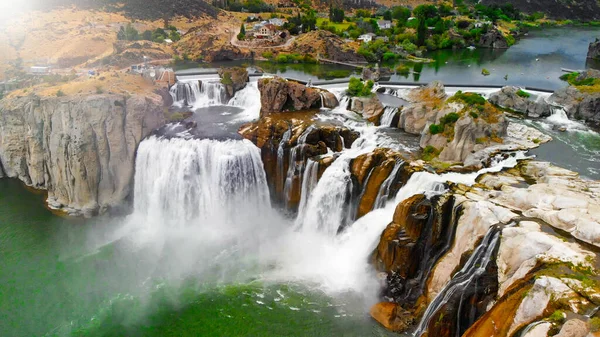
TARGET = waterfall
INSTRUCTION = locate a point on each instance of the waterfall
(475, 267)
(198, 94)
(248, 99)
(309, 182)
(384, 190)
(327, 208)
(179, 180)
(185, 92)
(388, 116)
(296, 163)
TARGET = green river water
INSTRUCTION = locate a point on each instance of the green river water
(58, 278)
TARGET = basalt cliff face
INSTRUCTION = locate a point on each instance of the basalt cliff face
(514, 252)
(81, 149)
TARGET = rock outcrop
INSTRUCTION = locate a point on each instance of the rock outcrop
(279, 95)
(234, 79)
(578, 105)
(370, 171)
(425, 102)
(529, 274)
(493, 39)
(370, 108)
(81, 149)
(327, 45)
(286, 145)
(594, 50)
(508, 97)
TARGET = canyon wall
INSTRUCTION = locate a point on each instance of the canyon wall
(81, 149)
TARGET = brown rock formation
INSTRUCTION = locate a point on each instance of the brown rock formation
(493, 39)
(278, 94)
(370, 171)
(391, 316)
(369, 107)
(327, 45)
(286, 145)
(234, 79)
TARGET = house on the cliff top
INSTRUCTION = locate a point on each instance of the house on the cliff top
(266, 31)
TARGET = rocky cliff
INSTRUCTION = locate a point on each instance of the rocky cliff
(234, 79)
(578, 104)
(515, 251)
(79, 148)
(278, 94)
(594, 50)
(518, 100)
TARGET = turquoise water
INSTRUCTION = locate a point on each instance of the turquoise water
(64, 277)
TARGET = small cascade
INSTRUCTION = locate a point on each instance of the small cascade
(464, 279)
(309, 182)
(179, 181)
(297, 163)
(385, 189)
(185, 93)
(247, 99)
(198, 94)
(388, 116)
(327, 209)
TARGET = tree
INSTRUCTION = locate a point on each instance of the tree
(336, 14)
(387, 15)
(121, 34)
(401, 14)
(131, 34)
(146, 35)
(421, 32)
(243, 29)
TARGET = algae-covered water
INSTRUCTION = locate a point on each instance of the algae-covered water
(61, 277)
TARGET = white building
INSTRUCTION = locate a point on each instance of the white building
(480, 24)
(384, 24)
(277, 22)
(366, 37)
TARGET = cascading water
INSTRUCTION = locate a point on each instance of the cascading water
(185, 93)
(179, 180)
(384, 189)
(462, 280)
(327, 208)
(198, 94)
(388, 116)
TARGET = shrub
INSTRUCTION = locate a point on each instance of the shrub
(557, 316)
(59, 93)
(594, 324)
(359, 89)
(430, 152)
(485, 72)
(523, 94)
(434, 129)
(449, 118)
(281, 58)
(469, 98)
(268, 55)
(403, 69)
(474, 114)
(226, 80)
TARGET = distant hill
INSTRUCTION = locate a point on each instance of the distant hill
(139, 9)
(584, 10)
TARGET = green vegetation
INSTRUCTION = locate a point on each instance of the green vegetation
(594, 324)
(356, 88)
(252, 6)
(558, 316)
(336, 14)
(474, 114)
(485, 72)
(242, 34)
(447, 120)
(226, 80)
(158, 35)
(60, 93)
(290, 58)
(429, 153)
(99, 89)
(523, 94)
(403, 69)
(574, 79)
(470, 98)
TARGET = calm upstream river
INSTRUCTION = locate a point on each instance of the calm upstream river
(534, 61)
(65, 277)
